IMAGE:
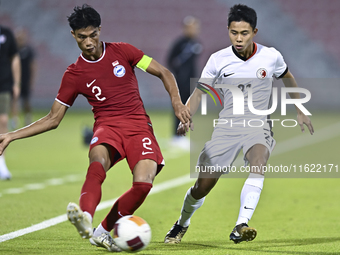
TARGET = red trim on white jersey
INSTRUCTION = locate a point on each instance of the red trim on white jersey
(244, 58)
(254, 51)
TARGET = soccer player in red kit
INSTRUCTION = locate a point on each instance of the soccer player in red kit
(104, 74)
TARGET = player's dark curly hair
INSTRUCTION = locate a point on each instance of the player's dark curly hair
(83, 17)
(240, 12)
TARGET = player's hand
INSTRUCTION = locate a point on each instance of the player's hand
(181, 129)
(182, 112)
(184, 128)
(4, 141)
(305, 120)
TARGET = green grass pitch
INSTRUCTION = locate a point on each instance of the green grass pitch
(294, 215)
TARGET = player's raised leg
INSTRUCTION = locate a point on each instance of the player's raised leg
(250, 194)
(143, 175)
(193, 200)
(81, 216)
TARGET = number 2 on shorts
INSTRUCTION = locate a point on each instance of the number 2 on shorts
(147, 142)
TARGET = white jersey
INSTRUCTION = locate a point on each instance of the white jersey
(254, 74)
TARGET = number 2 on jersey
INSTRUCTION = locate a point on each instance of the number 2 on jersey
(99, 92)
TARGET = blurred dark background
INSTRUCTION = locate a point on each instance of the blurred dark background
(306, 33)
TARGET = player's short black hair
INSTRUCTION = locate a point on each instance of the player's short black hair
(83, 17)
(241, 12)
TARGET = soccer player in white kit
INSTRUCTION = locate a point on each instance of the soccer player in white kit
(249, 67)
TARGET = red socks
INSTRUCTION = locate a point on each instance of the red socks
(127, 204)
(91, 191)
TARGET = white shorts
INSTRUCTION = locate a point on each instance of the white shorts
(223, 148)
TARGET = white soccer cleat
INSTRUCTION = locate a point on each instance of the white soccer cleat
(77, 217)
(106, 241)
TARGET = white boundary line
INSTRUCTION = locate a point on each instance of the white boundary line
(43, 185)
(103, 205)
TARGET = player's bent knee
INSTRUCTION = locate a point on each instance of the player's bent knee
(102, 161)
(145, 171)
(101, 154)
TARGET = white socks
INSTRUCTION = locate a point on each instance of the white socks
(250, 196)
(89, 216)
(4, 173)
(99, 231)
(190, 205)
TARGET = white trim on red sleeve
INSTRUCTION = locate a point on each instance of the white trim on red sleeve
(56, 99)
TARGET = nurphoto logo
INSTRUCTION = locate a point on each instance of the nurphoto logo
(239, 104)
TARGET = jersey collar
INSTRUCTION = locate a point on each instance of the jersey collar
(243, 58)
(95, 61)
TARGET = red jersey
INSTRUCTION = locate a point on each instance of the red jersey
(109, 83)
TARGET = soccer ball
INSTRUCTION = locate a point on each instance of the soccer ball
(132, 233)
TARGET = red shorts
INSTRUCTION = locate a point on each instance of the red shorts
(133, 139)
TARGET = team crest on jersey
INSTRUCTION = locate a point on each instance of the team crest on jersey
(94, 140)
(261, 73)
(119, 71)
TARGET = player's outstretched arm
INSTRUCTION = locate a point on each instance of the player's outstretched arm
(50, 121)
(289, 81)
(181, 111)
(192, 103)
(194, 100)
